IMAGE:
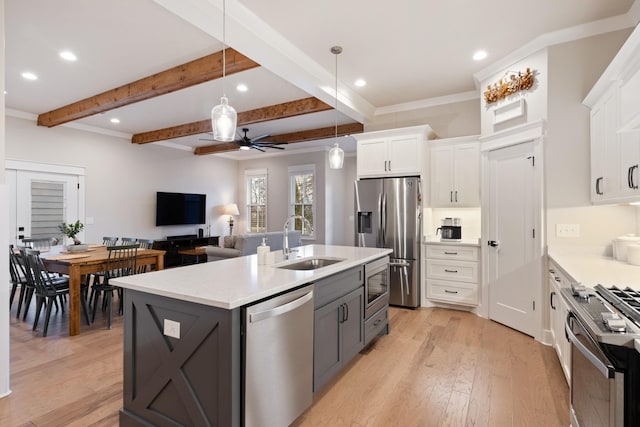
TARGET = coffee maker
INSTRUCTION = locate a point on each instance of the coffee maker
(450, 229)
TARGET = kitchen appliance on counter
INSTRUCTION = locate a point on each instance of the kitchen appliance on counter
(602, 326)
(450, 229)
(388, 215)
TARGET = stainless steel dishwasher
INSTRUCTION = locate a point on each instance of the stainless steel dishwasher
(279, 359)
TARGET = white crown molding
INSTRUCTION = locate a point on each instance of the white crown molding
(555, 37)
(429, 102)
(634, 12)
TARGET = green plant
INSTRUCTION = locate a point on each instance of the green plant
(71, 230)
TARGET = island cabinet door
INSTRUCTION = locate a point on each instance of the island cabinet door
(353, 325)
(182, 363)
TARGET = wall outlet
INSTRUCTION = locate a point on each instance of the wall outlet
(567, 230)
(172, 328)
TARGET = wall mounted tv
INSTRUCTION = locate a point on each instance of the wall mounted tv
(180, 208)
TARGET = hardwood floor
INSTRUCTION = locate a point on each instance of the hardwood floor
(437, 368)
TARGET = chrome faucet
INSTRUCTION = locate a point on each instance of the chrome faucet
(286, 251)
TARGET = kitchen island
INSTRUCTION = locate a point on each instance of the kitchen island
(184, 352)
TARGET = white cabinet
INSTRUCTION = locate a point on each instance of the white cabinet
(558, 309)
(393, 152)
(455, 172)
(452, 273)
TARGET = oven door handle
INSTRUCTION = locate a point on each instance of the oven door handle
(607, 370)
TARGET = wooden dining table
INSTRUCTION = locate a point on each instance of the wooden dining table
(77, 265)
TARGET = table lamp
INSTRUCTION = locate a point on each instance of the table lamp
(231, 210)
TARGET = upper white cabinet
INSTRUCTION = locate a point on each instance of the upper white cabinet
(455, 172)
(393, 152)
(615, 127)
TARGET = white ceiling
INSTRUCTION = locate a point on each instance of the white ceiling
(412, 52)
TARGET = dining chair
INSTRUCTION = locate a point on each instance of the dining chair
(144, 244)
(120, 262)
(47, 288)
(18, 278)
(41, 243)
(129, 240)
(94, 277)
(109, 241)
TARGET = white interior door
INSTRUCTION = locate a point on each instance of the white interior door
(513, 267)
(40, 201)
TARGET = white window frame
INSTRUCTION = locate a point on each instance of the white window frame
(250, 174)
(303, 170)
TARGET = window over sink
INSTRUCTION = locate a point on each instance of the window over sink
(256, 193)
(301, 197)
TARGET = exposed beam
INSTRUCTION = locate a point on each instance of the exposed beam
(182, 76)
(273, 112)
(289, 138)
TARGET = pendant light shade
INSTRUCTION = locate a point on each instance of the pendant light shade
(223, 121)
(224, 118)
(336, 154)
(336, 157)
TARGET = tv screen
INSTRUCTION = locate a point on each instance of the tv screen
(180, 208)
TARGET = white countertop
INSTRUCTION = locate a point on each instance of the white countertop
(591, 268)
(463, 242)
(235, 282)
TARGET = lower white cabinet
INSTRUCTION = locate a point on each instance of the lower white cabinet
(452, 273)
(558, 309)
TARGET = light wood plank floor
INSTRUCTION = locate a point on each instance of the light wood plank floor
(437, 368)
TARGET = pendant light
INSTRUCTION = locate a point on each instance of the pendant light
(336, 154)
(223, 116)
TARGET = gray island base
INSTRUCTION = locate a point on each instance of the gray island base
(185, 348)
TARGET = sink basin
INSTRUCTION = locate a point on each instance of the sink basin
(310, 263)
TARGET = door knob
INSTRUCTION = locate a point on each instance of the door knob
(493, 243)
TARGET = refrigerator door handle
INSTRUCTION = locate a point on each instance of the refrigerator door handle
(380, 236)
(383, 220)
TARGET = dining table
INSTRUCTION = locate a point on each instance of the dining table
(77, 265)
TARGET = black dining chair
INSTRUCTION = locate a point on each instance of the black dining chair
(129, 240)
(18, 279)
(121, 262)
(40, 243)
(144, 244)
(47, 288)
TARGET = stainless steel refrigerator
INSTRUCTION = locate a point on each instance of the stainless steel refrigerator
(388, 215)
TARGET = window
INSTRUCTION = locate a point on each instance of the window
(256, 191)
(301, 196)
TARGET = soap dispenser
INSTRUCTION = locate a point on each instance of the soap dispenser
(263, 251)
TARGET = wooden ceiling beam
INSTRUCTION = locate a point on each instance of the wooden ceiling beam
(273, 112)
(182, 76)
(288, 138)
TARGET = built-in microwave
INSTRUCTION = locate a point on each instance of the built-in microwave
(376, 285)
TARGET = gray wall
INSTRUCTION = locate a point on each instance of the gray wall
(122, 178)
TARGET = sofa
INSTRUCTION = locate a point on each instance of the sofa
(247, 244)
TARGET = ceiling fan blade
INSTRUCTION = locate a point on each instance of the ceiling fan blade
(258, 138)
(257, 148)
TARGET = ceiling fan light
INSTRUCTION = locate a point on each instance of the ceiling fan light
(336, 157)
(223, 121)
(245, 147)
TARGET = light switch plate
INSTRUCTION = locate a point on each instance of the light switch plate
(172, 328)
(567, 230)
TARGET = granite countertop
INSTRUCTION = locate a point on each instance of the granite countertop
(590, 268)
(463, 242)
(235, 282)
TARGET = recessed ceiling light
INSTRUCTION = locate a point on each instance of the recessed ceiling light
(361, 82)
(115, 120)
(29, 75)
(242, 88)
(479, 55)
(68, 56)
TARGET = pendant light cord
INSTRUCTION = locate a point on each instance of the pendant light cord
(224, 46)
(336, 50)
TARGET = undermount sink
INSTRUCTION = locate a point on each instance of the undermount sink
(311, 263)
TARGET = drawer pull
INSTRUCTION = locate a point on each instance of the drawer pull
(450, 271)
(377, 322)
(450, 292)
(450, 253)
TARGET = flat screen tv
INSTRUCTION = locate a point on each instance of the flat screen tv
(180, 208)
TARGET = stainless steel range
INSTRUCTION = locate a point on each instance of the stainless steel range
(605, 366)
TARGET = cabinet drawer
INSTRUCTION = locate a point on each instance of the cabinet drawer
(375, 324)
(452, 292)
(333, 287)
(462, 271)
(462, 253)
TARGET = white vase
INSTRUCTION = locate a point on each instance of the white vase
(77, 248)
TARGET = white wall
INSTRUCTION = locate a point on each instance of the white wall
(339, 204)
(4, 235)
(450, 120)
(122, 178)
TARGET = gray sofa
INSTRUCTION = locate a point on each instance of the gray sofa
(247, 244)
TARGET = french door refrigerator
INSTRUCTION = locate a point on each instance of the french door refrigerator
(388, 215)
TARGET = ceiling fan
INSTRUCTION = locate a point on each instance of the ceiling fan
(257, 143)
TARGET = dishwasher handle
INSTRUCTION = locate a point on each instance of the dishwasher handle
(281, 309)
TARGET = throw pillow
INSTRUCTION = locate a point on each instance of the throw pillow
(229, 242)
(239, 244)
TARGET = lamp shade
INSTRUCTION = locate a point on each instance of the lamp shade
(336, 157)
(223, 121)
(231, 209)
